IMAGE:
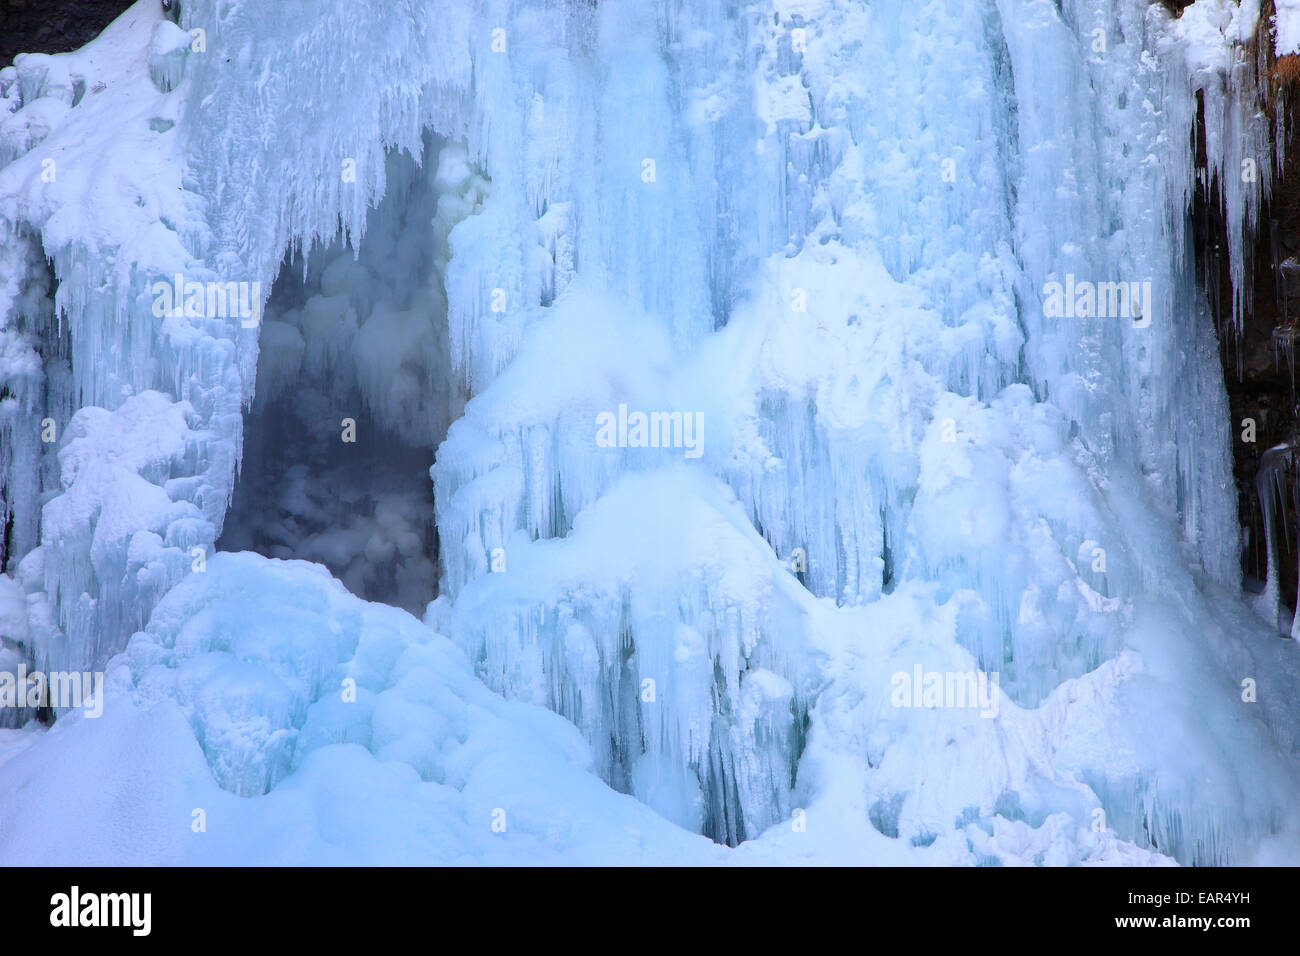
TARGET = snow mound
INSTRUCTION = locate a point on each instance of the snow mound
(236, 707)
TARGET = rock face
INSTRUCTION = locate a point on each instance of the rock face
(1259, 360)
(52, 26)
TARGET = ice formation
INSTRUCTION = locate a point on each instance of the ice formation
(819, 233)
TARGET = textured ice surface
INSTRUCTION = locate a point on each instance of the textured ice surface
(232, 702)
(100, 194)
(823, 230)
(1286, 21)
(309, 726)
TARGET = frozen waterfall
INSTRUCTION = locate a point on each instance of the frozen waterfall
(711, 382)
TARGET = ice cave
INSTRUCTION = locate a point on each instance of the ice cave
(354, 393)
(693, 432)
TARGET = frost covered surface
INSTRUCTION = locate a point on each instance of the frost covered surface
(1286, 21)
(821, 229)
(232, 701)
(96, 186)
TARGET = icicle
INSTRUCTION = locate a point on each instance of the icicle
(1269, 489)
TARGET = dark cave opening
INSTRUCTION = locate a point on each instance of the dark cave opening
(362, 507)
(352, 398)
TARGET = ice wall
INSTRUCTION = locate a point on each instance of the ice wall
(95, 184)
(889, 398)
(894, 406)
(822, 234)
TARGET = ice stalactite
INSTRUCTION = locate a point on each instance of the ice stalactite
(890, 399)
(124, 362)
(34, 399)
(757, 396)
(354, 393)
(33, 354)
(690, 682)
(1284, 339)
(1224, 49)
(1271, 487)
(164, 213)
(1278, 488)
